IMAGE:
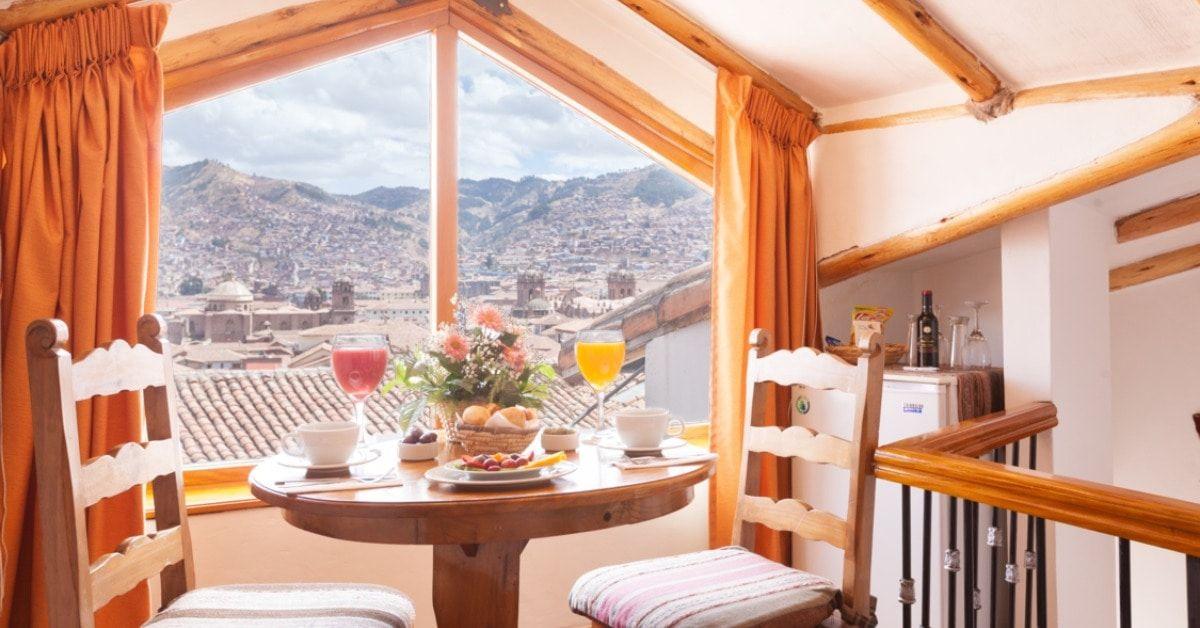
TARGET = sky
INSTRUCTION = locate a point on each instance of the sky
(363, 121)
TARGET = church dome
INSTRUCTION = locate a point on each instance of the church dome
(231, 291)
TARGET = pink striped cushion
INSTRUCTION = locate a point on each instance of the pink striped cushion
(722, 587)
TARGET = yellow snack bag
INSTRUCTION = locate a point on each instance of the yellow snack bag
(865, 319)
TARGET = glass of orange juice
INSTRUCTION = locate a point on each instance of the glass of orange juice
(600, 354)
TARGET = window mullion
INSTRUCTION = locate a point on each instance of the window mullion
(443, 247)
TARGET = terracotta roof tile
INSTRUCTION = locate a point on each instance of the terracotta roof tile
(230, 415)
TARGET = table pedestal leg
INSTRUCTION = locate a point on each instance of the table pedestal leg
(477, 584)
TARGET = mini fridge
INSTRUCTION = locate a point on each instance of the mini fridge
(913, 403)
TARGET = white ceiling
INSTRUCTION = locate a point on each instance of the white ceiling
(831, 53)
(1035, 42)
(839, 52)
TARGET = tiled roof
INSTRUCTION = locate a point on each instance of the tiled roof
(232, 415)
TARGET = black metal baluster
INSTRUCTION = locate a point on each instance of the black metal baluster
(1011, 573)
(906, 582)
(1123, 583)
(1193, 591)
(971, 581)
(926, 542)
(995, 540)
(1041, 573)
(951, 563)
(1031, 559)
(1039, 546)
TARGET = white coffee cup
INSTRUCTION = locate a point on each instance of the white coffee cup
(331, 442)
(646, 428)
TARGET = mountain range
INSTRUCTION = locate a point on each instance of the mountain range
(218, 220)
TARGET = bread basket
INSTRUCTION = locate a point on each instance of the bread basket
(893, 352)
(489, 440)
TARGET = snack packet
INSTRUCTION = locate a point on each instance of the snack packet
(865, 319)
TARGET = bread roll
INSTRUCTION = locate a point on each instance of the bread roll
(475, 415)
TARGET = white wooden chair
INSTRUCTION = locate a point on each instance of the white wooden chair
(67, 486)
(733, 586)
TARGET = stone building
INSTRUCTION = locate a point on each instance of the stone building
(621, 285)
(531, 284)
(230, 313)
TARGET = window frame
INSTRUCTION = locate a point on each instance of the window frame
(210, 64)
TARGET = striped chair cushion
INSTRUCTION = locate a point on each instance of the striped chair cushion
(723, 587)
(276, 605)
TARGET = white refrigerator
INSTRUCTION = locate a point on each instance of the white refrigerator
(913, 403)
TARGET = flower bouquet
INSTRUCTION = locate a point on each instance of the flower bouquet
(480, 363)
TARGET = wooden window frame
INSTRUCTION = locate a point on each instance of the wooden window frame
(213, 63)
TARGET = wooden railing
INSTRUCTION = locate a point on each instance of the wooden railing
(947, 461)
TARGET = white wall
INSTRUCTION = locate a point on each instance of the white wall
(1155, 335)
(869, 185)
(256, 545)
(1055, 269)
(678, 372)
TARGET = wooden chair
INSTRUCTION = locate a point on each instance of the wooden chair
(733, 586)
(67, 486)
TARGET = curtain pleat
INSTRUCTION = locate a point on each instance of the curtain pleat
(80, 166)
(764, 275)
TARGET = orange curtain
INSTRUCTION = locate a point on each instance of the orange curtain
(80, 139)
(764, 275)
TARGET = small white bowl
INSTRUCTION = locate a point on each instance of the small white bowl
(560, 442)
(419, 451)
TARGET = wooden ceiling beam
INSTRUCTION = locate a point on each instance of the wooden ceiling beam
(915, 24)
(1156, 267)
(1178, 82)
(710, 48)
(1165, 217)
(265, 46)
(554, 63)
(1170, 144)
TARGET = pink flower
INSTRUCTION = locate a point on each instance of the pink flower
(515, 358)
(488, 316)
(455, 346)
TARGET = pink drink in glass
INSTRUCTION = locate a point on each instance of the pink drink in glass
(359, 370)
(359, 361)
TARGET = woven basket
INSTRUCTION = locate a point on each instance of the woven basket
(445, 415)
(489, 440)
(893, 352)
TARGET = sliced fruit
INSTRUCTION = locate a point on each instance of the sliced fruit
(547, 461)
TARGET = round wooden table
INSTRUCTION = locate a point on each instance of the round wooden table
(478, 534)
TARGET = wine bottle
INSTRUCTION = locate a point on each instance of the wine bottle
(927, 332)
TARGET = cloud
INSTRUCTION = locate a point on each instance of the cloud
(363, 121)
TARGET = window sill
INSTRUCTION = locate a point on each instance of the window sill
(220, 489)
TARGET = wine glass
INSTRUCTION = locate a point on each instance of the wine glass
(359, 361)
(977, 354)
(600, 354)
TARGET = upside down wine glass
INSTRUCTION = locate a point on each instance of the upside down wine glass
(978, 354)
(359, 361)
(600, 353)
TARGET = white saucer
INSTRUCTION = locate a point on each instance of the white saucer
(360, 456)
(460, 478)
(668, 443)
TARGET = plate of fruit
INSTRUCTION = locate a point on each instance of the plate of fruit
(505, 466)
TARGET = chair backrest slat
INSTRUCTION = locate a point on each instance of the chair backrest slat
(793, 515)
(798, 441)
(67, 486)
(136, 559)
(811, 369)
(126, 466)
(118, 367)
